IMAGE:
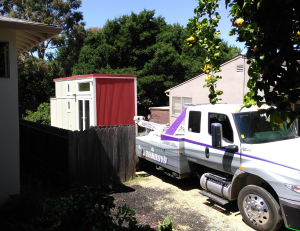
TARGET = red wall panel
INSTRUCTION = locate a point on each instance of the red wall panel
(115, 101)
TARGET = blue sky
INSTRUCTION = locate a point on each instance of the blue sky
(97, 12)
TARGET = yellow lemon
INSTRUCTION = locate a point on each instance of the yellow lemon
(278, 120)
(297, 35)
(207, 66)
(192, 39)
(256, 48)
(240, 22)
(207, 78)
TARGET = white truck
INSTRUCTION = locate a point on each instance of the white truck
(237, 156)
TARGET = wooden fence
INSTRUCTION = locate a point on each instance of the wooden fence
(97, 156)
(44, 150)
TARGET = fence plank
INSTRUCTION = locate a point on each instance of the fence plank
(98, 157)
(73, 158)
(131, 152)
(116, 162)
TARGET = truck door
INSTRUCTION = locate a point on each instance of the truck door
(222, 159)
(195, 135)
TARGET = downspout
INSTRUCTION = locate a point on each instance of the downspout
(167, 94)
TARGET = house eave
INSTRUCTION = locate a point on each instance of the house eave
(28, 33)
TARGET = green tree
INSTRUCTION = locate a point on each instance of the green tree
(147, 46)
(271, 31)
(203, 33)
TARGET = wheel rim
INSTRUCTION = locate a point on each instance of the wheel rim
(256, 209)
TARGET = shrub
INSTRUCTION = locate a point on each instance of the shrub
(42, 115)
(88, 210)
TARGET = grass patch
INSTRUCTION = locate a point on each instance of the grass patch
(137, 179)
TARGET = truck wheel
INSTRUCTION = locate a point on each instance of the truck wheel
(259, 209)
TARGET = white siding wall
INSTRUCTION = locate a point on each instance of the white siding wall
(59, 115)
(53, 108)
(9, 123)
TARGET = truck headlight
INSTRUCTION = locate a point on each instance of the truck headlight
(295, 188)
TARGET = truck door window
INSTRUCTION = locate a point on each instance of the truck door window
(194, 121)
(226, 126)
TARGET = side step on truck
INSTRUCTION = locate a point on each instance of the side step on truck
(237, 155)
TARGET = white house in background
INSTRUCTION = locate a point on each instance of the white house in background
(94, 100)
(16, 36)
(234, 84)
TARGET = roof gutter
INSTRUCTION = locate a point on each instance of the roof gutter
(167, 92)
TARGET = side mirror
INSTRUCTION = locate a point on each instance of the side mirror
(216, 135)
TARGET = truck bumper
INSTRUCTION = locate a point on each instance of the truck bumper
(290, 213)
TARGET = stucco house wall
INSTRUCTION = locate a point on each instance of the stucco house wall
(21, 35)
(234, 84)
(9, 122)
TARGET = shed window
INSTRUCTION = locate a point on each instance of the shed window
(84, 86)
(68, 105)
(4, 60)
(68, 88)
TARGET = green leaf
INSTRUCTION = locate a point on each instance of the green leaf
(258, 4)
(168, 220)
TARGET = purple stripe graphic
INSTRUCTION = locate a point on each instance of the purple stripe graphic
(176, 124)
(269, 161)
(163, 137)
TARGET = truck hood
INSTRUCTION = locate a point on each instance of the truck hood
(285, 153)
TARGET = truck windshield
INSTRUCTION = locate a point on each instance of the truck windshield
(255, 128)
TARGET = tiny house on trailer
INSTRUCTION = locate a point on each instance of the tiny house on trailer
(94, 100)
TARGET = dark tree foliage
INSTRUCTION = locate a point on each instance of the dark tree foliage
(147, 46)
(36, 74)
(35, 79)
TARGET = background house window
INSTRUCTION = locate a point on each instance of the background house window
(178, 104)
(4, 60)
(84, 86)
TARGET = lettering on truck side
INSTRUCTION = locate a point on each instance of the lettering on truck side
(170, 144)
(156, 157)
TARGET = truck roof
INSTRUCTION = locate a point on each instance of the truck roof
(225, 108)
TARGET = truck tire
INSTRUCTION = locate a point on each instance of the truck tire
(259, 209)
